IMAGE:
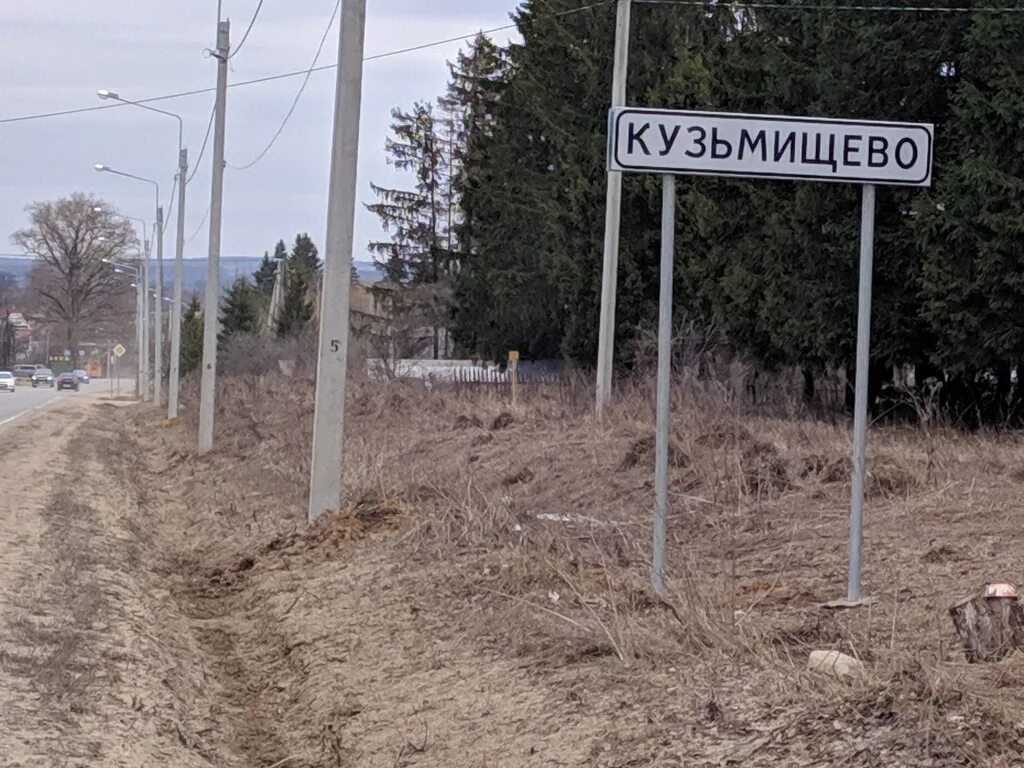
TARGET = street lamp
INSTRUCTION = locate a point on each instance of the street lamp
(179, 254)
(141, 319)
(158, 235)
(142, 384)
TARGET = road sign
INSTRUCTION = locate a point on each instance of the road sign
(513, 356)
(770, 146)
(119, 350)
(677, 142)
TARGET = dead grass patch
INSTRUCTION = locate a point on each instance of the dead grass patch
(485, 542)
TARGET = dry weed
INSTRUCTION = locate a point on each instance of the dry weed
(522, 551)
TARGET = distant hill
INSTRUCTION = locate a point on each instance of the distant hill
(194, 273)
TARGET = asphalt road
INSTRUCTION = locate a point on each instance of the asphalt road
(26, 399)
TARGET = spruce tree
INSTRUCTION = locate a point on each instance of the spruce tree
(301, 274)
(241, 312)
(265, 275)
(420, 220)
(191, 337)
(973, 277)
(304, 257)
(297, 310)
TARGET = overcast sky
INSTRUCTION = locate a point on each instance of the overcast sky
(55, 54)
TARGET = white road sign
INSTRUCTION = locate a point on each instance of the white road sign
(119, 350)
(770, 146)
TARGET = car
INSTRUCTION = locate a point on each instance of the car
(6, 381)
(82, 376)
(25, 370)
(43, 377)
(68, 381)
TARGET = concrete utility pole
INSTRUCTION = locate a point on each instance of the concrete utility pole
(158, 334)
(329, 417)
(211, 312)
(146, 392)
(139, 333)
(276, 299)
(613, 206)
(173, 385)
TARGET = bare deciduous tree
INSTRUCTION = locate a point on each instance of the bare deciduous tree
(71, 238)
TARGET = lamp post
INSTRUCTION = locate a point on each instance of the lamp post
(140, 313)
(174, 379)
(142, 385)
(158, 235)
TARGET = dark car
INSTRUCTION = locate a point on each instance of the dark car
(43, 377)
(82, 376)
(67, 381)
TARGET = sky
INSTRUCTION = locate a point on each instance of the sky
(54, 55)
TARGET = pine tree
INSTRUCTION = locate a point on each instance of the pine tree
(477, 79)
(265, 276)
(535, 183)
(303, 266)
(973, 276)
(305, 257)
(415, 218)
(297, 310)
(771, 264)
(191, 337)
(241, 311)
(420, 220)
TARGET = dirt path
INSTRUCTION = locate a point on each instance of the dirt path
(80, 622)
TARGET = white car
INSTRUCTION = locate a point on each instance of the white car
(6, 381)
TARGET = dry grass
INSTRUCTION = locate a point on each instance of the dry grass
(486, 587)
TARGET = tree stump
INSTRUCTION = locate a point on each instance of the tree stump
(989, 627)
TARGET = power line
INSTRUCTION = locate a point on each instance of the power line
(298, 95)
(286, 75)
(202, 149)
(200, 227)
(823, 7)
(252, 23)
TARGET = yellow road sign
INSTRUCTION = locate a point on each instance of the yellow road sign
(119, 351)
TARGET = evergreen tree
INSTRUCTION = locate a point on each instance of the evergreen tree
(772, 264)
(304, 257)
(477, 79)
(536, 184)
(297, 310)
(241, 311)
(415, 218)
(265, 276)
(973, 276)
(191, 337)
(303, 266)
(421, 221)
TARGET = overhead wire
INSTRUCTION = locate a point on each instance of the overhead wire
(296, 73)
(298, 95)
(202, 149)
(840, 7)
(252, 23)
(199, 228)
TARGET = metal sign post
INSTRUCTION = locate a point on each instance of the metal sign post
(677, 142)
(860, 408)
(119, 351)
(513, 372)
(663, 427)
